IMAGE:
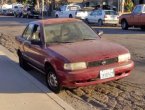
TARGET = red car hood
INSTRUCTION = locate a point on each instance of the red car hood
(88, 50)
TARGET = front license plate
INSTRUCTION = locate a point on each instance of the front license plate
(109, 73)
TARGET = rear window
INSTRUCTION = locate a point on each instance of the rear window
(73, 8)
(111, 13)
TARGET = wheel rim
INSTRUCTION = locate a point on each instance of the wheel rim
(52, 80)
(123, 24)
(100, 23)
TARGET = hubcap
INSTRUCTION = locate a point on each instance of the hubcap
(123, 24)
(100, 23)
(52, 80)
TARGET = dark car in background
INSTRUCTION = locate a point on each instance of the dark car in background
(30, 12)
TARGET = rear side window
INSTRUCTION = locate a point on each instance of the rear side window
(137, 9)
(73, 8)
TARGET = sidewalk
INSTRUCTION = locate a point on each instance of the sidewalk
(21, 91)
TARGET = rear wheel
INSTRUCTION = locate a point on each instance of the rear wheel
(28, 16)
(124, 25)
(15, 15)
(56, 16)
(52, 80)
(70, 16)
(142, 28)
(100, 22)
(22, 16)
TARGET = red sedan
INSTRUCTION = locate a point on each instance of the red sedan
(71, 54)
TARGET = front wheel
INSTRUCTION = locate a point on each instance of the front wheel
(70, 16)
(52, 81)
(87, 21)
(100, 22)
(142, 28)
(124, 25)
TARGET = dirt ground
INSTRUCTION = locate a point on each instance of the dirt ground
(125, 94)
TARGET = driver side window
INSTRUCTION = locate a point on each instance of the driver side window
(28, 32)
(94, 13)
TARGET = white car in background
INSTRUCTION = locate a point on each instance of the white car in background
(84, 12)
(101, 17)
(67, 11)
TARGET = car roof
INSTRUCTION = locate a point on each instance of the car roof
(55, 21)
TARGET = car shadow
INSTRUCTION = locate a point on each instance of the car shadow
(13, 79)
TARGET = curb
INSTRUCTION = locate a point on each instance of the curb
(39, 85)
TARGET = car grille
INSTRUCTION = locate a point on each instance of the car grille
(103, 62)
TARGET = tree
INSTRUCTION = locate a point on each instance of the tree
(128, 5)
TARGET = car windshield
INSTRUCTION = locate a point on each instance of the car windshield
(68, 32)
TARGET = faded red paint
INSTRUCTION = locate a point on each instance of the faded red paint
(84, 51)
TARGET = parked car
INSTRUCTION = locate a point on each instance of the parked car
(84, 12)
(101, 17)
(30, 12)
(18, 12)
(71, 54)
(67, 11)
(136, 18)
(9, 12)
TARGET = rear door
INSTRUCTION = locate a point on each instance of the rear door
(143, 16)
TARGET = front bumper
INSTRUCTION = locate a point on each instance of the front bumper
(91, 76)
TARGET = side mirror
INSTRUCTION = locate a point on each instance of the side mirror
(100, 33)
(36, 42)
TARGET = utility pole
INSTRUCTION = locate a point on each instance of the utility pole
(42, 8)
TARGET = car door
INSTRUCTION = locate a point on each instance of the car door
(25, 42)
(143, 16)
(99, 15)
(92, 17)
(136, 16)
(35, 47)
(62, 12)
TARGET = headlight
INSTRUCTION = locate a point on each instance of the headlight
(75, 66)
(124, 57)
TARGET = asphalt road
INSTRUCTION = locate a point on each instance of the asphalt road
(133, 39)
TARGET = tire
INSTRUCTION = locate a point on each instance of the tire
(70, 16)
(15, 15)
(56, 16)
(124, 25)
(86, 21)
(142, 28)
(22, 16)
(100, 22)
(23, 63)
(28, 16)
(52, 80)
